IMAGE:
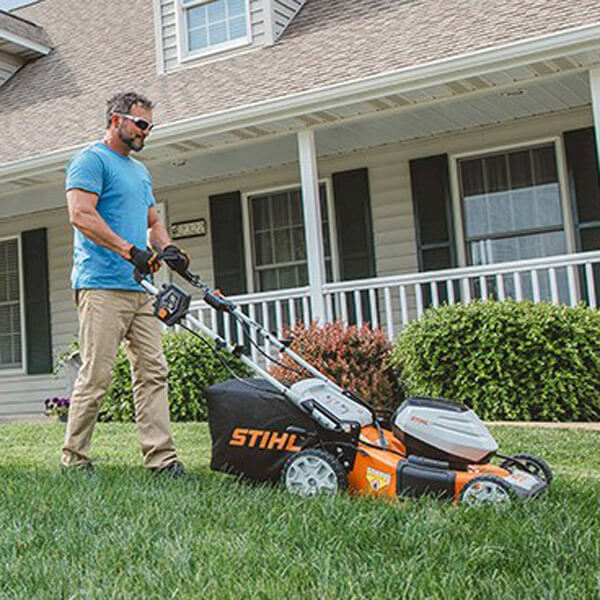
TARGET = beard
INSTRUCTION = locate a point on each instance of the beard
(133, 142)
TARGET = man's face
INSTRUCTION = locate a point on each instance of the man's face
(129, 133)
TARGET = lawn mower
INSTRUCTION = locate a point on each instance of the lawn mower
(316, 437)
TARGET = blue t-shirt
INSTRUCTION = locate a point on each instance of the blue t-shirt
(124, 189)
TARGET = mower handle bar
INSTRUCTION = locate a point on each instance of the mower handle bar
(218, 302)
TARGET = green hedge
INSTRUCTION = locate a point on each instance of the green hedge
(507, 360)
(192, 367)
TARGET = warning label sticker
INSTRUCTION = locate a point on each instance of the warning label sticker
(378, 479)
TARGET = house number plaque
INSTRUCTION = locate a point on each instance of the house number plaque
(188, 229)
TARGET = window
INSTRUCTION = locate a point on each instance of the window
(213, 25)
(277, 239)
(512, 206)
(10, 306)
(513, 211)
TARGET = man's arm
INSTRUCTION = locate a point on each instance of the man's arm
(84, 216)
(159, 238)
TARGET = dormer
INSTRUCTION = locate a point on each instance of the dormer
(192, 32)
(21, 41)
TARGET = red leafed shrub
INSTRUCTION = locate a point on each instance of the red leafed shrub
(355, 358)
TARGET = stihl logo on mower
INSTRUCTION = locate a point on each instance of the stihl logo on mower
(265, 440)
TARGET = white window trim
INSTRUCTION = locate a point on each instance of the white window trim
(23, 369)
(184, 55)
(335, 269)
(562, 174)
(163, 275)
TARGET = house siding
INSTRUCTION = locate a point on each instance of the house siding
(23, 394)
(283, 12)
(168, 35)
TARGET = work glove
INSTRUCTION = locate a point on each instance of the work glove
(176, 258)
(145, 261)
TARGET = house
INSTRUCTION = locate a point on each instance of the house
(319, 159)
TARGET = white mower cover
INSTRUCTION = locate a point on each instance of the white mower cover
(343, 407)
(460, 434)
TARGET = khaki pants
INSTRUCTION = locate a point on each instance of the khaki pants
(107, 318)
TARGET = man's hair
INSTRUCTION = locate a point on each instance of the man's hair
(122, 103)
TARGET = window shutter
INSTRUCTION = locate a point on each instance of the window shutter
(354, 224)
(584, 180)
(355, 233)
(38, 337)
(227, 237)
(432, 207)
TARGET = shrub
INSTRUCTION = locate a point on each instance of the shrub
(192, 367)
(507, 360)
(355, 358)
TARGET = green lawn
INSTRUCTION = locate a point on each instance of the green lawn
(121, 533)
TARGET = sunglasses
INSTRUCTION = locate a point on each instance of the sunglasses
(143, 124)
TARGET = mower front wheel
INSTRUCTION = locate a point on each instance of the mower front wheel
(486, 490)
(534, 464)
(312, 472)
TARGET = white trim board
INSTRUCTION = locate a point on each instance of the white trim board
(24, 42)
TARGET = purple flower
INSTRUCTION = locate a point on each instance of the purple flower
(57, 406)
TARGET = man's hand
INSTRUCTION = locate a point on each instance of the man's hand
(146, 262)
(176, 258)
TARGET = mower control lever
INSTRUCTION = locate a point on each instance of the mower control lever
(217, 301)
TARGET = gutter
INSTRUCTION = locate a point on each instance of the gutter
(510, 55)
(24, 42)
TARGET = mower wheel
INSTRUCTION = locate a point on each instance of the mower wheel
(535, 465)
(311, 472)
(486, 490)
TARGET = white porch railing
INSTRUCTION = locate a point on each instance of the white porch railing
(274, 310)
(391, 302)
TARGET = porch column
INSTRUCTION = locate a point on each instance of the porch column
(595, 93)
(312, 222)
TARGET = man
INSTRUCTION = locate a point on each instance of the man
(113, 212)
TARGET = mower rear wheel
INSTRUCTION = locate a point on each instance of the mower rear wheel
(535, 465)
(312, 472)
(486, 490)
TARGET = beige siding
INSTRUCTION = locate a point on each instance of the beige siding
(168, 34)
(19, 393)
(168, 31)
(283, 12)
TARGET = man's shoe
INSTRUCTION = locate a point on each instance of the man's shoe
(86, 467)
(174, 469)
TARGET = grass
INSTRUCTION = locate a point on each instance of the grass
(121, 533)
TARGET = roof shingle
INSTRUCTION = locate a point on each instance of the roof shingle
(58, 101)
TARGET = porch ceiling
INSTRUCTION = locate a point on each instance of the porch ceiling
(425, 116)
(415, 109)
